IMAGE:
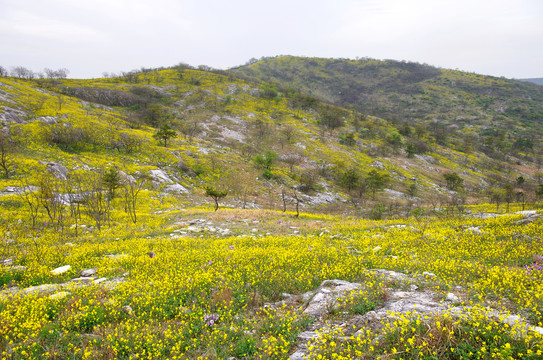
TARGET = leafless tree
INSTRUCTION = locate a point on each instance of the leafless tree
(6, 150)
(22, 72)
(50, 199)
(132, 187)
(94, 199)
(31, 198)
(3, 71)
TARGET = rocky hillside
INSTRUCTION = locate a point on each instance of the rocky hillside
(263, 146)
(496, 115)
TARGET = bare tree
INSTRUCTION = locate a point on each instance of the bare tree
(94, 198)
(6, 151)
(22, 72)
(50, 199)
(3, 71)
(132, 187)
(31, 197)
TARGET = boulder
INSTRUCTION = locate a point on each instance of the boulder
(60, 172)
(61, 270)
(325, 297)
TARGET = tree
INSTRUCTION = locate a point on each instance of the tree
(215, 194)
(112, 181)
(410, 150)
(395, 139)
(350, 178)
(376, 181)
(454, 181)
(6, 149)
(132, 187)
(22, 72)
(165, 133)
(497, 196)
(3, 71)
(266, 161)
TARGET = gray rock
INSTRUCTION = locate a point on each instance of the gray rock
(83, 280)
(60, 172)
(61, 270)
(451, 297)
(59, 295)
(128, 309)
(88, 272)
(325, 297)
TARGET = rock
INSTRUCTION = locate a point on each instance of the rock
(325, 297)
(100, 280)
(176, 188)
(7, 262)
(88, 272)
(44, 288)
(160, 177)
(451, 297)
(429, 274)
(61, 270)
(83, 280)
(184, 168)
(128, 309)
(474, 230)
(59, 295)
(60, 172)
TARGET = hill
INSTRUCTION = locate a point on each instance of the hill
(489, 112)
(261, 144)
(112, 246)
(538, 81)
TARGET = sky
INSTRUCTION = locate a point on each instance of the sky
(90, 37)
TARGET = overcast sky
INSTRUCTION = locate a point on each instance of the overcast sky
(89, 37)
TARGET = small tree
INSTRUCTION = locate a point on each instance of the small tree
(376, 181)
(350, 178)
(266, 161)
(112, 181)
(3, 71)
(215, 194)
(132, 188)
(454, 182)
(165, 133)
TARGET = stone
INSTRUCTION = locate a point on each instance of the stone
(84, 280)
(61, 270)
(59, 295)
(88, 272)
(451, 297)
(128, 309)
(7, 262)
(429, 274)
(60, 172)
(176, 188)
(325, 297)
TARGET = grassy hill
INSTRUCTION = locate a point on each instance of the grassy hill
(494, 114)
(110, 247)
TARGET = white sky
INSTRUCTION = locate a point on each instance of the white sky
(89, 37)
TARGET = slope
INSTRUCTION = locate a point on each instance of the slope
(497, 114)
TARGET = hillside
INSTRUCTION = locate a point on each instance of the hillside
(538, 81)
(260, 145)
(496, 115)
(338, 234)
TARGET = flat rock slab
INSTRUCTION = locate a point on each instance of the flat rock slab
(61, 270)
(325, 297)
